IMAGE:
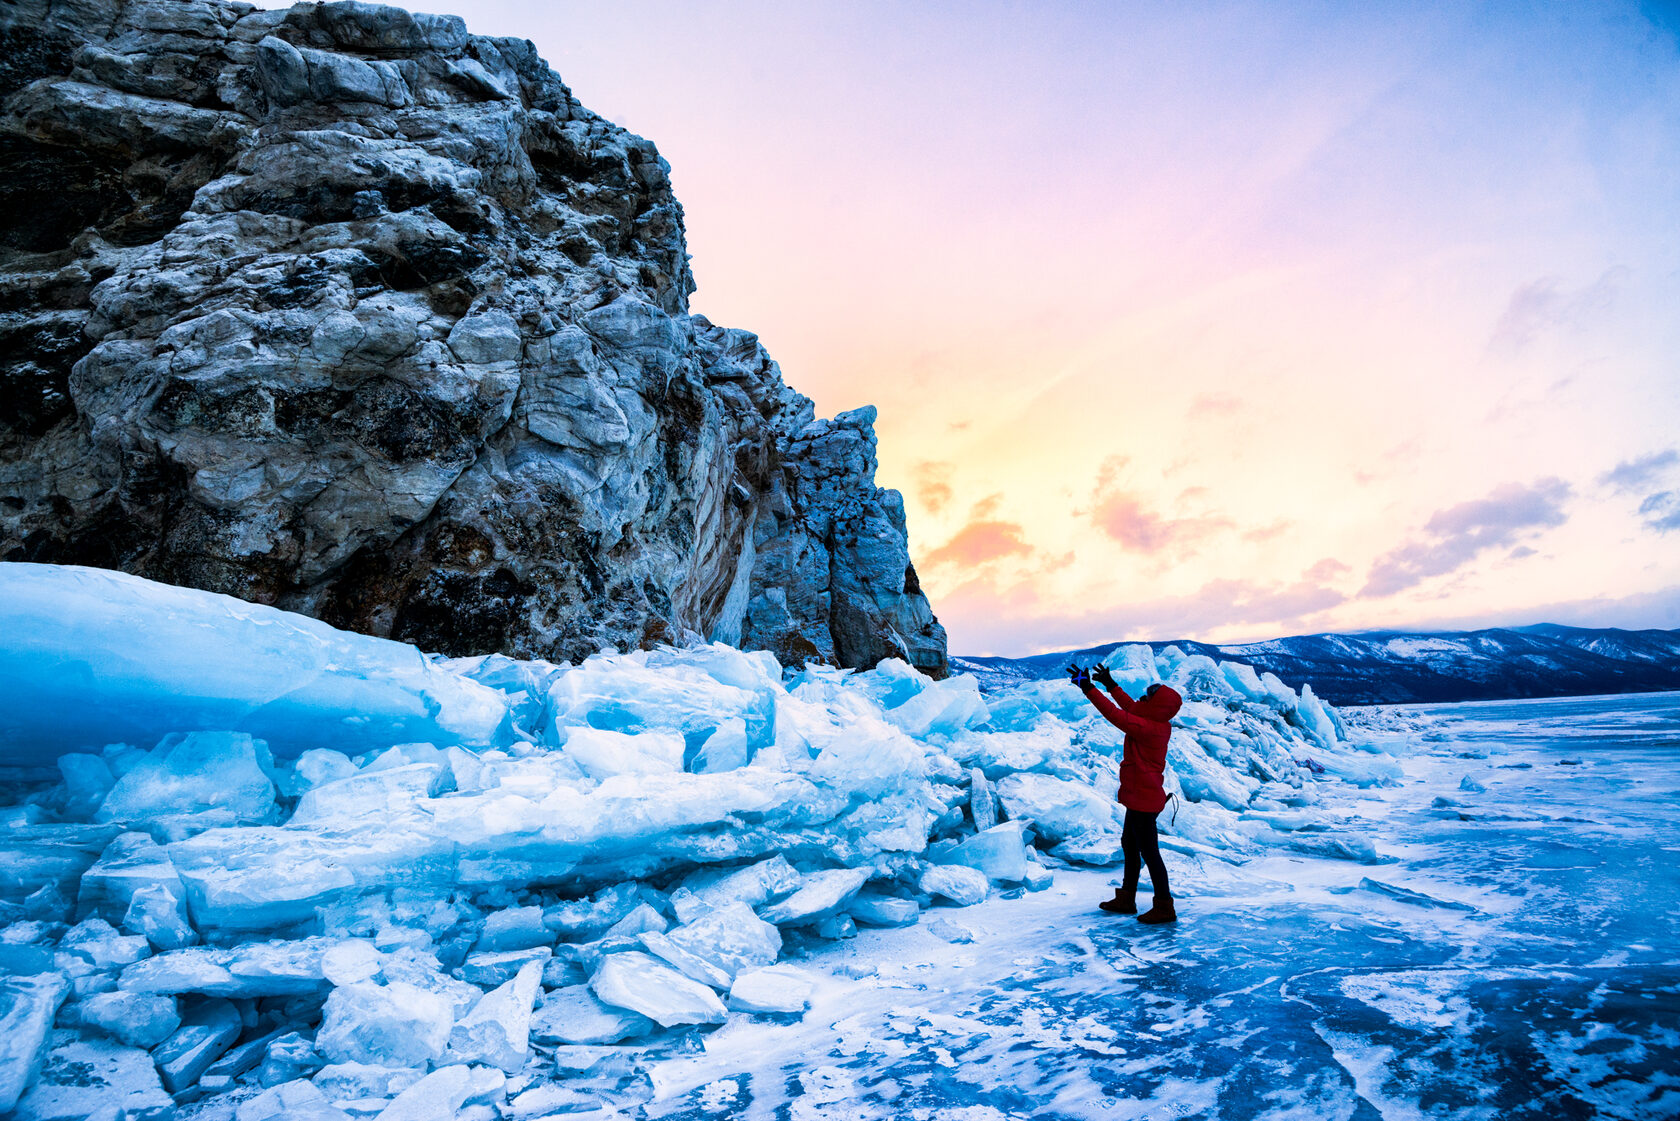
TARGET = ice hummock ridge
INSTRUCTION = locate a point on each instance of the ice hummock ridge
(283, 856)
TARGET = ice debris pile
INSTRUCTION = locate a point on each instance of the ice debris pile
(620, 853)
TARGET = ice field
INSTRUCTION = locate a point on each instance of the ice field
(311, 874)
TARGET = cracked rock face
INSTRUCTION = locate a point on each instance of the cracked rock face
(343, 309)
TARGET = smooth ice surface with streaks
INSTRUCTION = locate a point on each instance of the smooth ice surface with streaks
(1518, 956)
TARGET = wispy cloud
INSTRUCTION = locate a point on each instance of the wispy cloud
(1127, 520)
(1636, 474)
(979, 542)
(933, 484)
(1454, 537)
(1661, 511)
(1542, 305)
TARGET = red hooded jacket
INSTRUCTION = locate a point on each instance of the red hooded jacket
(1143, 762)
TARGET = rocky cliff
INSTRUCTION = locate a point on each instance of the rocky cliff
(343, 309)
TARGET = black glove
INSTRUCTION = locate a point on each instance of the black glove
(1103, 677)
(1079, 675)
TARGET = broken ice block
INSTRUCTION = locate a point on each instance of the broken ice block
(157, 913)
(942, 708)
(138, 1019)
(87, 779)
(603, 754)
(820, 894)
(730, 937)
(883, 910)
(575, 1015)
(297, 1100)
(129, 862)
(497, 1031)
(350, 961)
(196, 773)
(90, 1079)
(379, 794)
(590, 918)
(27, 1008)
(641, 983)
(107, 657)
(982, 804)
(289, 1057)
(755, 885)
(396, 1025)
(959, 883)
(725, 749)
(775, 988)
(361, 1081)
(436, 1097)
(33, 857)
(950, 931)
(498, 967)
(687, 963)
(1057, 808)
(98, 941)
(514, 928)
(205, 1032)
(1000, 852)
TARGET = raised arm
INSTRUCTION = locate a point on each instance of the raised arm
(1112, 712)
(1103, 676)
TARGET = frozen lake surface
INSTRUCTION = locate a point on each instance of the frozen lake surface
(1517, 955)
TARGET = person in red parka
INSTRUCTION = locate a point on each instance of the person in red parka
(1143, 762)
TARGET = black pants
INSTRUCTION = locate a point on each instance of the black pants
(1141, 846)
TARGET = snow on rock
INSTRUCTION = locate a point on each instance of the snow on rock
(643, 984)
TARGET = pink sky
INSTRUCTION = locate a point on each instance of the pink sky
(1217, 321)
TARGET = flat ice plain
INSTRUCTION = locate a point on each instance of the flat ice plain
(1520, 958)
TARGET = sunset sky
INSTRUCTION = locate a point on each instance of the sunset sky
(1216, 321)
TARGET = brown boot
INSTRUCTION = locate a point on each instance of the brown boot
(1162, 912)
(1123, 903)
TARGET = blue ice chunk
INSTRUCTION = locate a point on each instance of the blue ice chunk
(108, 657)
(1133, 668)
(941, 708)
(27, 1007)
(1416, 898)
(222, 774)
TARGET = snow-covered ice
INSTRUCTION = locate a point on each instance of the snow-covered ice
(683, 882)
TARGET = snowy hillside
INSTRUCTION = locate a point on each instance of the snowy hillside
(1392, 668)
(318, 870)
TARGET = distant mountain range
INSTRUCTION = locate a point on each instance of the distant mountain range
(1388, 667)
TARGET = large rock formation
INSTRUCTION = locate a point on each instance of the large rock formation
(346, 310)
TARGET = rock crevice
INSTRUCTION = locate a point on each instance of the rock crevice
(347, 310)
